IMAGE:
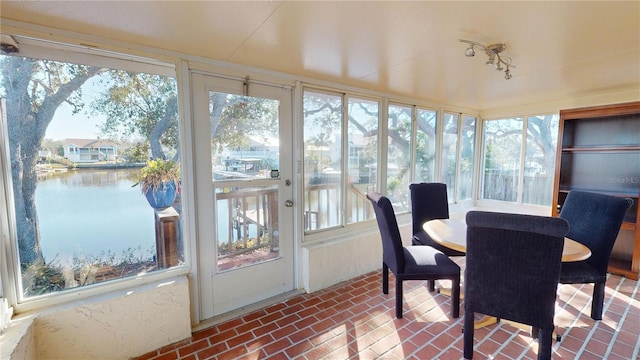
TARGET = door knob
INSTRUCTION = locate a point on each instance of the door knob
(288, 203)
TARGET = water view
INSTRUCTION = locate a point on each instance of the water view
(113, 216)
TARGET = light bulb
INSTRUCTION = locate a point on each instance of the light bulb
(470, 52)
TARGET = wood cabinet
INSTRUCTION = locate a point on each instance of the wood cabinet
(599, 151)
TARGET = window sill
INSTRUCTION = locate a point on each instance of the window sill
(17, 339)
(43, 333)
(103, 289)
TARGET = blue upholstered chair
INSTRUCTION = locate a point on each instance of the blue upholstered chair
(594, 220)
(512, 271)
(410, 262)
(428, 202)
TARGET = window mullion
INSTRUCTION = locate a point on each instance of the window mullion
(523, 154)
(345, 159)
(383, 149)
(414, 141)
(456, 192)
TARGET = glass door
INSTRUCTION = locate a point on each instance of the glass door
(243, 192)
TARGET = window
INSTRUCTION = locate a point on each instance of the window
(458, 151)
(362, 144)
(426, 145)
(540, 159)
(510, 175)
(342, 155)
(467, 154)
(449, 153)
(77, 136)
(502, 149)
(322, 160)
(325, 146)
(399, 173)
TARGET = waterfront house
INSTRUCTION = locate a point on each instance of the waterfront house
(89, 150)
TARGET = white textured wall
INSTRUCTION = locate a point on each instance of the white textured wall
(18, 340)
(329, 262)
(117, 326)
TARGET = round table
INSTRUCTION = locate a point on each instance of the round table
(452, 233)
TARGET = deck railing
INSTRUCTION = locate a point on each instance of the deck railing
(253, 216)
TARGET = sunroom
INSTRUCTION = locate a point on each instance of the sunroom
(281, 116)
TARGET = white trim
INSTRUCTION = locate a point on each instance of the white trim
(51, 50)
(247, 79)
(189, 200)
(8, 294)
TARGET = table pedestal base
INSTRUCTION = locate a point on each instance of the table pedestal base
(490, 320)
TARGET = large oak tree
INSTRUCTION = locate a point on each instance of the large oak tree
(34, 89)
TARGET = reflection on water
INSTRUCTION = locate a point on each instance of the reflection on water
(87, 213)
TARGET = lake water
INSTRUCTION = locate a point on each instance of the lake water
(89, 212)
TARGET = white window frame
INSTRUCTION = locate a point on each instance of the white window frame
(48, 50)
(532, 208)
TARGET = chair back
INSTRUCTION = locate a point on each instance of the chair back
(513, 266)
(595, 220)
(392, 248)
(428, 201)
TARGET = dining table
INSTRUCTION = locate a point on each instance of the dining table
(452, 233)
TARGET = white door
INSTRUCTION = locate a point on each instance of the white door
(244, 173)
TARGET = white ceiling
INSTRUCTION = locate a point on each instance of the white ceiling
(561, 49)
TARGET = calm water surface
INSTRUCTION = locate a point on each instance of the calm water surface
(89, 212)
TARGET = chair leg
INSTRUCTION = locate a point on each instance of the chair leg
(431, 285)
(597, 301)
(398, 298)
(467, 336)
(535, 332)
(544, 344)
(455, 298)
(385, 278)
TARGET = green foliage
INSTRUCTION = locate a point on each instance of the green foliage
(139, 106)
(136, 153)
(234, 118)
(107, 265)
(392, 184)
(156, 173)
(41, 277)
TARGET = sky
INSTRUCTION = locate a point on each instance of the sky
(83, 125)
(65, 125)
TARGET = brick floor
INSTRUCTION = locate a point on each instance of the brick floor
(354, 320)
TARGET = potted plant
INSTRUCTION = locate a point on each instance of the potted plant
(158, 181)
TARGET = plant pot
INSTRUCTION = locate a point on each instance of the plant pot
(163, 197)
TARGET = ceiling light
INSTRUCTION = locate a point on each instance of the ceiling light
(507, 74)
(470, 52)
(493, 54)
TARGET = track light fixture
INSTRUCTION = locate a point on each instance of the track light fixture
(493, 55)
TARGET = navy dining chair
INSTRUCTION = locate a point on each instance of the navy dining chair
(410, 262)
(512, 271)
(594, 221)
(428, 202)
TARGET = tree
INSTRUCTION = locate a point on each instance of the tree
(34, 90)
(142, 106)
(235, 118)
(540, 133)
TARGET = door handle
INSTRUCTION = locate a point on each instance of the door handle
(288, 203)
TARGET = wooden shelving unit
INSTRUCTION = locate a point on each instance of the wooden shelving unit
(599, 151)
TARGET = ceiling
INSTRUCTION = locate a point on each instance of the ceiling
(560, 49)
